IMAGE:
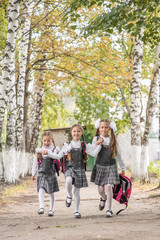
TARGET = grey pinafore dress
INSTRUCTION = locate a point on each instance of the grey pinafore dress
(105, 169)
(76, 170)
(47, 176)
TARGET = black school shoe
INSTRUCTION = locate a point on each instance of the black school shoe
(109, 213)
(77, 215)
(102, 204)
(50, 213)
(68, 204)
(41, 211)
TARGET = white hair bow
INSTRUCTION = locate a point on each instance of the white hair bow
(97, 123)
(113, 126)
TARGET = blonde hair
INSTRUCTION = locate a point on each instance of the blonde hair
(113, 143)
(77, 125)
(48, 134)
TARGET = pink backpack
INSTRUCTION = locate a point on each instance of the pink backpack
(122, 191)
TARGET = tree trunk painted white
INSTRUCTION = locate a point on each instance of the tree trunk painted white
(8, 89)
(35, 122)
(1, 166)
(26, 138)
(159, 130)
(25, 165)
(150, 112)
(22, 161)
(136, 108)
(26, 22)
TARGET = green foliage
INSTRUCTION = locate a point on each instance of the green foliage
(122, 124)
(54, 113)
(153, 169)
(90, 107)
(130, 16)
(3, 24)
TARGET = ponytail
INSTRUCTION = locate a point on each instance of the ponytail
(113, 144)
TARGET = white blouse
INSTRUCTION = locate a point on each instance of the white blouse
(90, 149)
(107, 142)
(52, 154)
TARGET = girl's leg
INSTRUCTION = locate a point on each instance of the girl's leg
(109, 199)
(69, 191)
(76, 202)
(41, 200)
(51, 197)
(101, 190)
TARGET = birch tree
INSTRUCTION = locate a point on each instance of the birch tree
(150, 112)
(25, 29)
(8, 87)
(135, 112)
(25, 137)
(35, 120)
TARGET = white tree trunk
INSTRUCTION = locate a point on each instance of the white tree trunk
(27, 94)
(8, 89)
(136, 109)
(36, 121)
(159, 129)
(1, 166)
(34, 124)
(26, 22)
(150, 112)
(22, 161)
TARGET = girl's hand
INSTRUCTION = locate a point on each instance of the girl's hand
(69, 157)
(45, 152)
(33, 178)
(100, 141)
(123, 173)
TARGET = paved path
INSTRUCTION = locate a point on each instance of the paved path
(20, 221)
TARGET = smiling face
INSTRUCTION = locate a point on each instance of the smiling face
(76, 133)
(46, 141)
(104, 129)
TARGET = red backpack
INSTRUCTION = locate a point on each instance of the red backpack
(122, 191)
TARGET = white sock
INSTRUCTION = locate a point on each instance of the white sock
(51, 197)
(69, 188)
(41, 197)
(109, 196)
(76, 199)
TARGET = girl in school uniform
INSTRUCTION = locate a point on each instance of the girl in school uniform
(44, 165)
(105, 173)
(75, 166)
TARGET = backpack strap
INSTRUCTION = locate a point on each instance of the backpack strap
(62, 160)
(83, 148)
(84, 153)
(55, 163)
(122, 209)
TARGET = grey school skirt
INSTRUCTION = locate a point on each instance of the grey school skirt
(48, 182)
(68, 172)
(79, 178)
(102, 175)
